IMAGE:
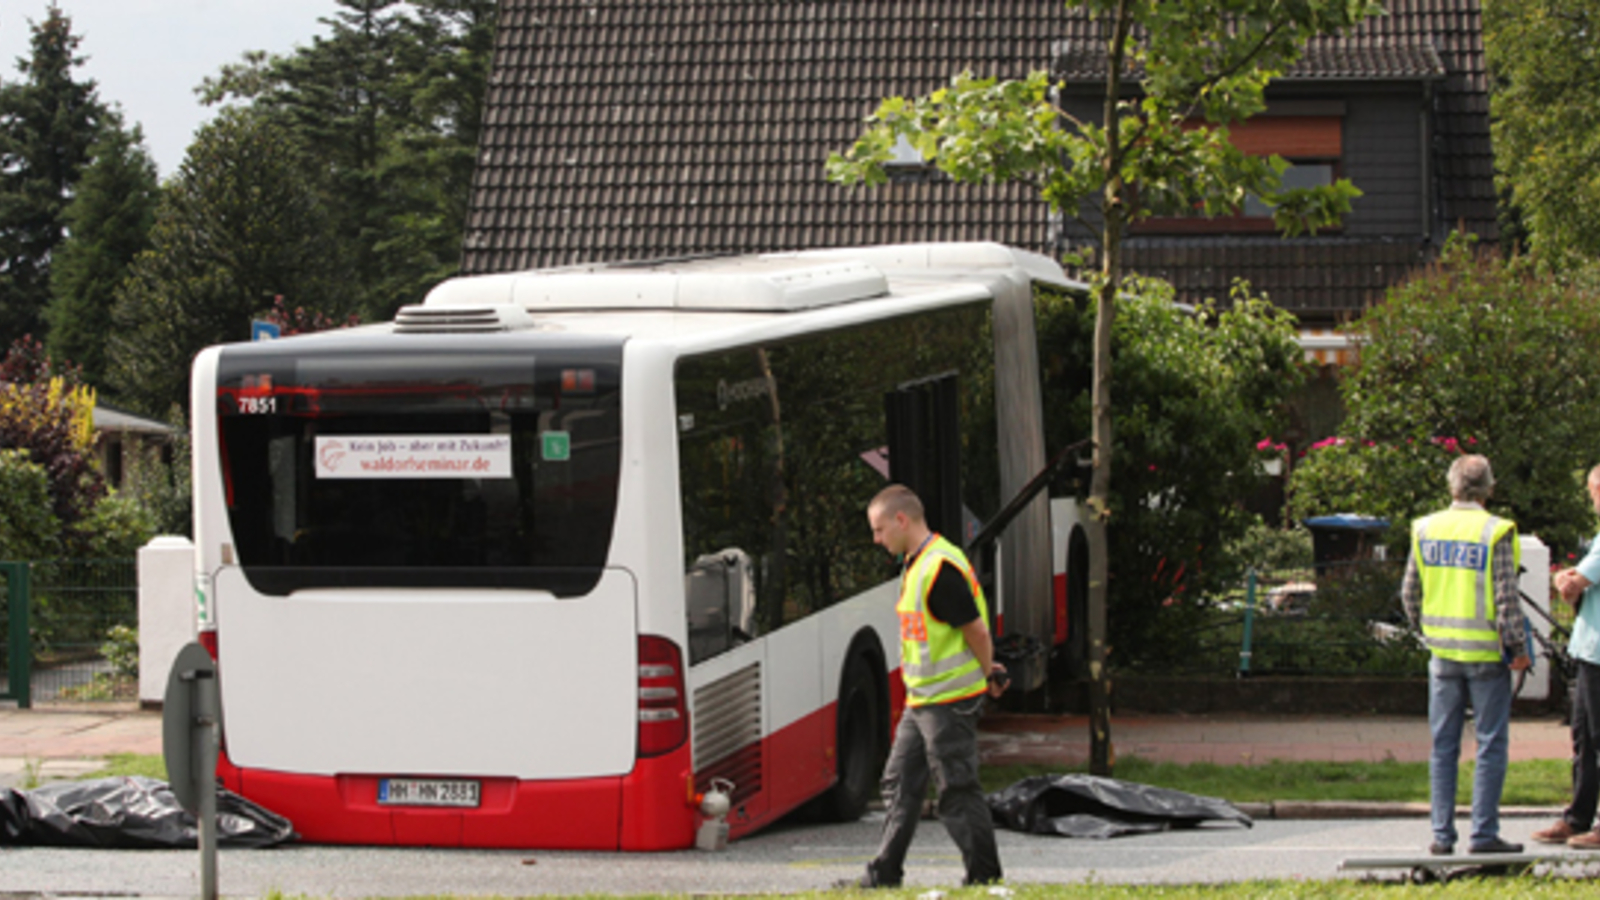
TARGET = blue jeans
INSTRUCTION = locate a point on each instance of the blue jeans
(1451, 685)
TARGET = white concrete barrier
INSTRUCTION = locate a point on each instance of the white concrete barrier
(166, 611)
(1535, 583)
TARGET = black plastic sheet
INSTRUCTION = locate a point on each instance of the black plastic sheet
(1087, 806)
(130, 813)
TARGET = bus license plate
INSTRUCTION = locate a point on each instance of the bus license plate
(427, 792)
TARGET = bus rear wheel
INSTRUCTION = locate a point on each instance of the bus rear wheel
(859, 750)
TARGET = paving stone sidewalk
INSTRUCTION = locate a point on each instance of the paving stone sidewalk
(48, 743)
(1241, 739)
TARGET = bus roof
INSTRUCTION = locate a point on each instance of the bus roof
(765, 283)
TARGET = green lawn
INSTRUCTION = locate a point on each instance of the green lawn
(120, 764)
(1545, 782)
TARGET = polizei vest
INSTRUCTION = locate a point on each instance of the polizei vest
(935, 661)
(1454, 555)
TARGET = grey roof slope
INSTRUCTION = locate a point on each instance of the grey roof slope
(627, 130)
(1356, 58)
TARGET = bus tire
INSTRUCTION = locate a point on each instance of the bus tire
(859, 750)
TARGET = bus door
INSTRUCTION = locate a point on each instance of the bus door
(924, 425)
(925, 449)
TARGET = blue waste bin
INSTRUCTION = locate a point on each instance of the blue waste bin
(1344, 539)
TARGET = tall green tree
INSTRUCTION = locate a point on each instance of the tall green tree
(444, 59)
(1545, 101)
(108, 224)
(1476, 354)
(240, 223)
(1177, 73)
(388, 103)
(48, 122)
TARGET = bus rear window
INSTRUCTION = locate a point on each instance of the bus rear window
(476, 466)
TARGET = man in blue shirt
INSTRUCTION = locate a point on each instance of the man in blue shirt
(1580, 588)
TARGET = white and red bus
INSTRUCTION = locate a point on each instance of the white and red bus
(540, 561)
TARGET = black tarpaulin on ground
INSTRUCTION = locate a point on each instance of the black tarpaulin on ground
(130, 813)
(1087, 806)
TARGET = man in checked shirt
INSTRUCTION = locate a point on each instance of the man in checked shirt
(1461, 587)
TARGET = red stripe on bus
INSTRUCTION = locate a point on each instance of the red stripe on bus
(643, 810)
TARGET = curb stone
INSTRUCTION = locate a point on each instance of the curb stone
(1355, 809)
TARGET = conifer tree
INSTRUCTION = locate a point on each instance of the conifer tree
(239, 224)
(108, 224)
(48, 122)
(388, 103)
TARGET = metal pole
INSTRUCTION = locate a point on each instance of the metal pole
(1249, 621)
(19, 593)
(205, 751)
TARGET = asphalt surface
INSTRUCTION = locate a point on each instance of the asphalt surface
(782, 859)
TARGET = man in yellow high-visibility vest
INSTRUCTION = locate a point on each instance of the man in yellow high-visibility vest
(947, 663)
(1461, 586)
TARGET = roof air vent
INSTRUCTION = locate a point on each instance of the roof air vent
(421, 319)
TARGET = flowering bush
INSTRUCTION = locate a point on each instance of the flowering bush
(47, 413)
(1476, 354)
(304, 320)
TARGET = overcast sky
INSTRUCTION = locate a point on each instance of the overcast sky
(149, 55)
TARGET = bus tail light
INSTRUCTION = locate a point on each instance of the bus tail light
(663, 712)
(208, 640)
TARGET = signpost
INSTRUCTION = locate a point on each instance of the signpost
(189, 720)
(262, 330)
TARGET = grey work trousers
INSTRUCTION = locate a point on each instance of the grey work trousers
(941, 739)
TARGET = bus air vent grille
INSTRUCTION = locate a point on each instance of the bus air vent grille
(461, 319)
(727, 718)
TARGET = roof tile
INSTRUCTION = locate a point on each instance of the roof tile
(618, 130)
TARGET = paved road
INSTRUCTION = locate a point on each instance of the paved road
(786, 858)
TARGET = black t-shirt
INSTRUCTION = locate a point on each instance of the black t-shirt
(950, 600)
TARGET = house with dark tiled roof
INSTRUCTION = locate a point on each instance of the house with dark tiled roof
(628, 130)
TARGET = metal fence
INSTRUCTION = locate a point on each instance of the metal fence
(61, 618)
(1332, 620)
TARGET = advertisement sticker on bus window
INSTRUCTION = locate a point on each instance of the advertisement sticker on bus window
(414, 456)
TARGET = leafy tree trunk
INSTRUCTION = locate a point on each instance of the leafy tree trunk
(1101, 757)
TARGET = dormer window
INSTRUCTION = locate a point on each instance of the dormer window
(1309, 135)
(906, 163)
